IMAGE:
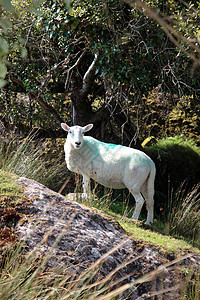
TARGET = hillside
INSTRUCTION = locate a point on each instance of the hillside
(88, 245)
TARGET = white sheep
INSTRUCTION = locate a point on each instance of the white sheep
(114, 166)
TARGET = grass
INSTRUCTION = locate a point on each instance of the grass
(8, 186)
(12, 201)
(167, 243)
(184, 215)
(192, 288)
(178, 140)
(34, 159)
(23, 277)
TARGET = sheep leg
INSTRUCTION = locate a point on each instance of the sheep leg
(86, 184)
(148, 196)
(149, 216)
(139, 203)
(150, 209)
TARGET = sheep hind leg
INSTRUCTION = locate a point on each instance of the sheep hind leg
(139, 203)
(150, 211)
(149, 204)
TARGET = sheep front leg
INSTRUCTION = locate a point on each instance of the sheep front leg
(86, 185)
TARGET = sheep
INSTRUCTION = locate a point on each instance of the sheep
(113, 166)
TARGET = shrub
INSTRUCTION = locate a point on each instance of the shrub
(177, 160)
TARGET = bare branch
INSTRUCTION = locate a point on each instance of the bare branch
(32, 60)
(170, 31)
(73, 67)
(36, 96)
(88, 77)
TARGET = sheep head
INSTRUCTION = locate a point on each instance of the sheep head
(76, 133)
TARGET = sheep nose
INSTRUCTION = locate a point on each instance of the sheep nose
(78, 143)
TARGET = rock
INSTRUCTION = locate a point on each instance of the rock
(77, 237)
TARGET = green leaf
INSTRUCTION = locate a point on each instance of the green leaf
(3, 70)
(23, 52)
(2, 83)
(5, 24)
(4, 47)
(21, 40)
(7, 5)
(68, 4)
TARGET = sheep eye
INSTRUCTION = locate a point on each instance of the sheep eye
(70, 131)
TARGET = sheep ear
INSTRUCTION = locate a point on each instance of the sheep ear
(87, 127)
(65, 126)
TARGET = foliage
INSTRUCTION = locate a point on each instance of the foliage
(159, 115)
(177, 161)
(152, 114)
(185, 119)
(8, 11)
(58, 46)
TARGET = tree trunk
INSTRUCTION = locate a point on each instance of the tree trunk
(82, 112)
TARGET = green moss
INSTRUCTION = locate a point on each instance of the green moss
(8, 185)
(12, 203)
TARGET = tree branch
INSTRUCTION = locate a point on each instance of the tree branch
(36, 96)
(73, 67)
(87, 79)
(32, 60)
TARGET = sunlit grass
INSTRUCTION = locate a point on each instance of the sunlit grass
(167, 243)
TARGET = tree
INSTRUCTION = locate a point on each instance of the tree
(99, 56)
